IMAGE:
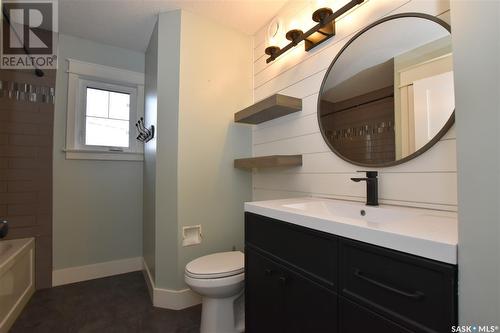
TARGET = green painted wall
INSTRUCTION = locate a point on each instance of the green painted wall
(476, 59)
(97, 204)
(214, 84)
(149, 175)
(169, 25)
(199, 88)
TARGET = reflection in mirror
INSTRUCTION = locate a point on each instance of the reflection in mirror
(389, 94)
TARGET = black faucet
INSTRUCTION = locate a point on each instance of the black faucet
(371, 187)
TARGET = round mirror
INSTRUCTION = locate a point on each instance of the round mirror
(388, 95)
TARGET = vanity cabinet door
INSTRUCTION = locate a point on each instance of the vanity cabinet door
(356, 319)
(309, 307)
(280, 300)
(263, 295)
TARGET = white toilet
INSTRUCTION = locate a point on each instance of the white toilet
(219, 278)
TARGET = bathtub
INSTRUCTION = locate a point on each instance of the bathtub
(17, 278)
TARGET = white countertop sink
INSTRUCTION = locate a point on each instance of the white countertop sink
(423, 232)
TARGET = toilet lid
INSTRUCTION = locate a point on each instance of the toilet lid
(217, 265)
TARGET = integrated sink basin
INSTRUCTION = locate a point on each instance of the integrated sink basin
(353, 211)
(428, 233)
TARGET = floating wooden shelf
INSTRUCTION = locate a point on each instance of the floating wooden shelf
(272, 107)
(272, 161)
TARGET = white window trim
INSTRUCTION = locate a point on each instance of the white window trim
(81, 74)
(80, 118)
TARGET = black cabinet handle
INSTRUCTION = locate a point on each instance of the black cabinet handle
(283, 280)
(416, 295)
(268, 271)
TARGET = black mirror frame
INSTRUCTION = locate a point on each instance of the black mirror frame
(420, 151)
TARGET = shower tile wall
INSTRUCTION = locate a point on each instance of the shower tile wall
(26, 129)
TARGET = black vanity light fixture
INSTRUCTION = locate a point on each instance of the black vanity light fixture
(322, 31)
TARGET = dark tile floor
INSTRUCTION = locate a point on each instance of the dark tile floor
(115, 304)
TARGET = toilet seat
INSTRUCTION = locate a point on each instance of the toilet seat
(217, 265)
(220, 282)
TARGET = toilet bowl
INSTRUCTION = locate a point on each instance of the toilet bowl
(219, 278)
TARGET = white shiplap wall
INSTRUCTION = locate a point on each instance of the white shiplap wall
(429, 181)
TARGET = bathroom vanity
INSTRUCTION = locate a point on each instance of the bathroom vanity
(320, 265)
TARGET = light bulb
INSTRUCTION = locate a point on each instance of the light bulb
(272, 41)
(322, 4)
(294, 25)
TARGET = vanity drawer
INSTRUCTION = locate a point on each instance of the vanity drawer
(414, 291)
(311, 252)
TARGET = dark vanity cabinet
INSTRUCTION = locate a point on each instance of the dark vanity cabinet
(302, 280)
(285, 301)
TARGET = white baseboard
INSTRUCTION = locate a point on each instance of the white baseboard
(149, 280)
(167, 298)
(95, 271)
(162, 298)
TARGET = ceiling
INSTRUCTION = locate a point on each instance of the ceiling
(129, 23)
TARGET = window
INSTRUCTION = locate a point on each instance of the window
(103, 107)
(107, 118)
(106, 111)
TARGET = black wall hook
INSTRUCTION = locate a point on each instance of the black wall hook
(145, 134)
